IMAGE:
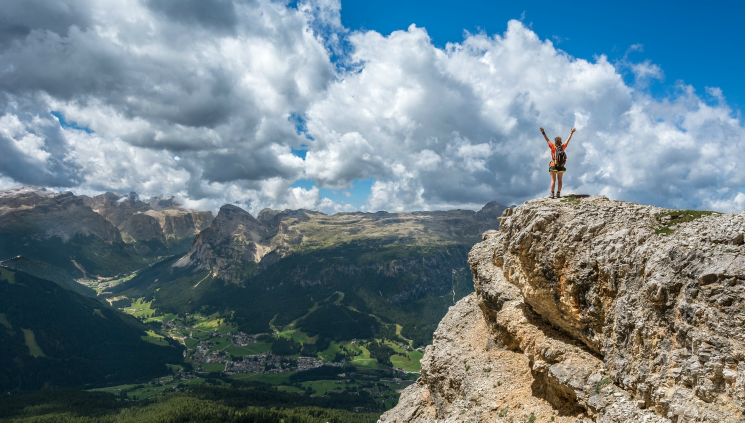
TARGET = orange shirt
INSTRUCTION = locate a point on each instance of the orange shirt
(553, 151)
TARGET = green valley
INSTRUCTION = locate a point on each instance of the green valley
(55, 338)
(278, 314)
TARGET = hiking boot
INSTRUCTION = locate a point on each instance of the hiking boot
(552, 195)
(558, 194)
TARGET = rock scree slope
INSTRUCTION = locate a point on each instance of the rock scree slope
(588, 309)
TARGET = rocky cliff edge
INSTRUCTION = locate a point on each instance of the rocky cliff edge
(588, 309)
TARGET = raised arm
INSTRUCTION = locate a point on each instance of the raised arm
(544, 136)
(570, 137)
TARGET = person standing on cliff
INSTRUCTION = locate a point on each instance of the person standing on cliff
(558, 160)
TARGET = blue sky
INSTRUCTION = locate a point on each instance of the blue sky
(343, 106)
(693, 42)
(699, 42)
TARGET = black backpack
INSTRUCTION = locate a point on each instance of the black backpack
(560, 158)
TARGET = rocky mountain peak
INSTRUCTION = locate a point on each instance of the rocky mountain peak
(236, 240)
(593, 310)
(43, 214)
(159, 219)
(23, 195)
(490, 211)
(233, 239)
(272, 218)
(231, 218)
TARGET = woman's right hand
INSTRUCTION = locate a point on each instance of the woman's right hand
(542, 130)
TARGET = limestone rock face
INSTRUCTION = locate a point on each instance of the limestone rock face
(234, 239)
(154, 219)
(623, 313)
(36, 214)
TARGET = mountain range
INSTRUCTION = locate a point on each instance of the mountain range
(331, 277)
(280, 268)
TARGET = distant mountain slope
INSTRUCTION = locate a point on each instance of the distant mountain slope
(51, 337)
(87, 237)
(157, 226)
(43, 270)
(60, 229)
(298, 267)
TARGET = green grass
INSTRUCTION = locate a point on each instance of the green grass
(677, 217)
(153, 334)
(191, 343)
(329, 353)
(368, 362)
(113, 389)
(157, 341)
(287, 388)
(164, 318)
(155, 338)
(297, 336)
(146, 392)
(4, 321)
(175, 368)
(663, 230)
(573, 200)
(214, 323)
(271, 379)
(322, 387)
(250, 349)
(140, 308)
(219, 344)
(602, 384)
(214, 367)
(410, 362)
(33, 347)
(7, 276)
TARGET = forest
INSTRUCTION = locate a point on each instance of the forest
(51, 337)
(206, 403)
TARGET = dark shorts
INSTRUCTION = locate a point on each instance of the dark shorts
(557, 169)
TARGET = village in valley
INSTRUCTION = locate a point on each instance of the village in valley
(215, 349)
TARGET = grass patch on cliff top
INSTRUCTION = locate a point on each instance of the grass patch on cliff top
(602, 384)
(676, 217)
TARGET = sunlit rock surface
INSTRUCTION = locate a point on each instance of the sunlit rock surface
(593, 310)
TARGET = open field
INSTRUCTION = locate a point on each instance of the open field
(155, 338)
(140, 308)
(4, 321)
(164, 318)
(33, 347)
(410, 362)
(297, 336)
(214, 367)
(250, 349)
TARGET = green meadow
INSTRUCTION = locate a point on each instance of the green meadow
(33, 347)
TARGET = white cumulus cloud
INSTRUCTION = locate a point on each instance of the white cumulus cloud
(210, 100)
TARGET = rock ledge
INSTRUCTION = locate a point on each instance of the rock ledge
(588, 309)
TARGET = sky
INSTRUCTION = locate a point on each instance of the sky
(398, 106)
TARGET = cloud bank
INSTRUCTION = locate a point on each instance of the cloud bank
(235, 101)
